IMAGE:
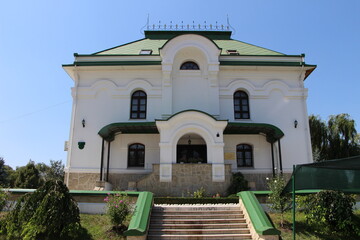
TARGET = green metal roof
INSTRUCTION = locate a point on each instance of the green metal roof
(157, 39)
(168, 34)
(134, 48)
(243, 48)
(108, 132)
(272, 132)
(189, 110)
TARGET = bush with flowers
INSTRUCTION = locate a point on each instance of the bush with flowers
(118, 208)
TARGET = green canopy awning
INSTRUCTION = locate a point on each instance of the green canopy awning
(108, 132)
(339, 174)
(272, 132)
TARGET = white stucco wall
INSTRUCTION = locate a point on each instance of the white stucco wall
(261, 152)
(102, 96)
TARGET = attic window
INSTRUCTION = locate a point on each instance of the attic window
(146, 52)
(189, 66)
(233, 52)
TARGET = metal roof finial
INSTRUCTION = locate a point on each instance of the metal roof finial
(229, 26)
(146, 25)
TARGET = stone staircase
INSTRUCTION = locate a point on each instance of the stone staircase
(209, 221)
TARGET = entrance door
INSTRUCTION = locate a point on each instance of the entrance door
(191, 154)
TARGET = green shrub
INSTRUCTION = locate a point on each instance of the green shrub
(4, 196)
(118, 208)
(238, 184)
(200, 193)
(279, 202)
(330, 210)
(48, 213)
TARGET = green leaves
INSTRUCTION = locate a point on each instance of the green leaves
(337, 138)
(279, 203)
(118, 208)
(330, 210)
(238, 184)
(48, 213)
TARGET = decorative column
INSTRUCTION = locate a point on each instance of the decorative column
(165, 162)
(213, 70)
(102, 159)
(166, 90)
(218, 166)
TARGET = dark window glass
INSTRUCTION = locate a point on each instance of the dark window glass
(241, 105)
(138, 105)
(136, 155)
(244, 155)
(189, 66)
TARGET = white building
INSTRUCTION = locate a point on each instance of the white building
(180, 110)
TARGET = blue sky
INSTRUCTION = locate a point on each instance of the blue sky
(37, 37)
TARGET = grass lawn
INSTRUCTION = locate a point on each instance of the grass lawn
(98, 227)
(305, 231)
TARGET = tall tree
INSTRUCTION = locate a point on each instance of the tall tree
(28, 176)
(53, 172)
(337, 138)
(6, 173)
(342, 134)
(319, 138)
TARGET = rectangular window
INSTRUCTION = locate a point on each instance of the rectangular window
(232, 52)
(146, 52)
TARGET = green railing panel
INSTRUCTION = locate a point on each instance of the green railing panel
(257, 215)
(141, 217)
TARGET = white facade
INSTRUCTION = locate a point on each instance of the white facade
(182, 104)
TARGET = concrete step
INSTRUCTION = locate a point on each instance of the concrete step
(198, 237)
(199, 226)
(183, 212)
(197, 221)
(195, 208)
(200, 221)
(198, 216)
(200, 231)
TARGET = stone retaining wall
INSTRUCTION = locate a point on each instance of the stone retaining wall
(186, 178)
(82, 181)
(120, 181)
(257, 181)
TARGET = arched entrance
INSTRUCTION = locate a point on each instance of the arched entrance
(191, 148)
(202, 128)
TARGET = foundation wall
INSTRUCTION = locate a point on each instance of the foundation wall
(82, 181)
(120, 181)
(258, 182)
(186, 178)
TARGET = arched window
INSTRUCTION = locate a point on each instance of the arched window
(189, 66)
(138, 105)
(136, 155)
(244, 155)
(241, 105)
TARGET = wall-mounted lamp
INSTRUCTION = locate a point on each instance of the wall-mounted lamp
(81, 145)
(83, 123)
(217, 135)
(295, 124)
(189, 141)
